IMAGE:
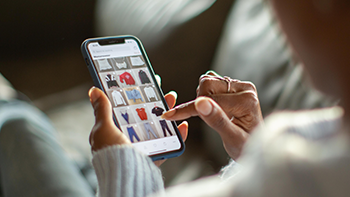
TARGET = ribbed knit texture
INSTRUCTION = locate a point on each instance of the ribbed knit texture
(123, 171)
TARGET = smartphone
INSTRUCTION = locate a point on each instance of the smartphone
(120, 67)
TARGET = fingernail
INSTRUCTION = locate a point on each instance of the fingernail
(159, 80)
(173, 93)
(203, 106)
(94, 95)
(186, 123)
(168, 114)
(210, 71)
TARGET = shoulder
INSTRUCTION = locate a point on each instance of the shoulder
(297, 133)
(296, 153)
(284, 129)
(309, 126)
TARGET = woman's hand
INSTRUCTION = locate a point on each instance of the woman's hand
(104, 133)
(231, 107)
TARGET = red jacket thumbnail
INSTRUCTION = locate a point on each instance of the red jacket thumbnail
(127, 78)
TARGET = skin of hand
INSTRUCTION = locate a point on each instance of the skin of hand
(233, 114)
(105, 133)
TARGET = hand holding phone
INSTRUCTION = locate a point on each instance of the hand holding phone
(119, 66)
(105, 133)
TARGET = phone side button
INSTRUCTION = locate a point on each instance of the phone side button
(87, 61)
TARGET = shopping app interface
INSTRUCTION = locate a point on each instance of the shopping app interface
(136, 102)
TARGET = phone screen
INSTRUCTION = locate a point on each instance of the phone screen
(127, 79)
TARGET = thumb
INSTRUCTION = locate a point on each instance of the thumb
(104, 132)
(102, 106)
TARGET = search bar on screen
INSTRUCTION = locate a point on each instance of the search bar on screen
(111, 50)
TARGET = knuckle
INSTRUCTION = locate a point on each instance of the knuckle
(204, 81)
(250, 85)
(254, 99)
(251, 95)
(203, 76)
(251, 100)
(205, 86)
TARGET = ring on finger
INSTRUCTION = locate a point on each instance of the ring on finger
(228, 80)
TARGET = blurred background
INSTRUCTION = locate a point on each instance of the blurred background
(40, 56)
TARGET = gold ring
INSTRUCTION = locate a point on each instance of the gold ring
(228, 80)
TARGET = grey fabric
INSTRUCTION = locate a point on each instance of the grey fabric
(303, 153)
(32, 163)
(252, 48)
(150, 20)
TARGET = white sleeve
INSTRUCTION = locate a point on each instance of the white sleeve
(115, 98)
(121, 98)
(155, 95)
(147, 93)
(150, 93)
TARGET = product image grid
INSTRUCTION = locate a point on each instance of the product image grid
(134, 97)
(144, 121)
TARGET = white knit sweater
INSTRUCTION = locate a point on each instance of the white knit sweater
(295, 154)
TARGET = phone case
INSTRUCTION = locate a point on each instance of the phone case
(135, 61)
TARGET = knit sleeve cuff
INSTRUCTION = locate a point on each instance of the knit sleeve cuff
(230, 171)
(123, 171)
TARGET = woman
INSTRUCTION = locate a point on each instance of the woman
(293, 154)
